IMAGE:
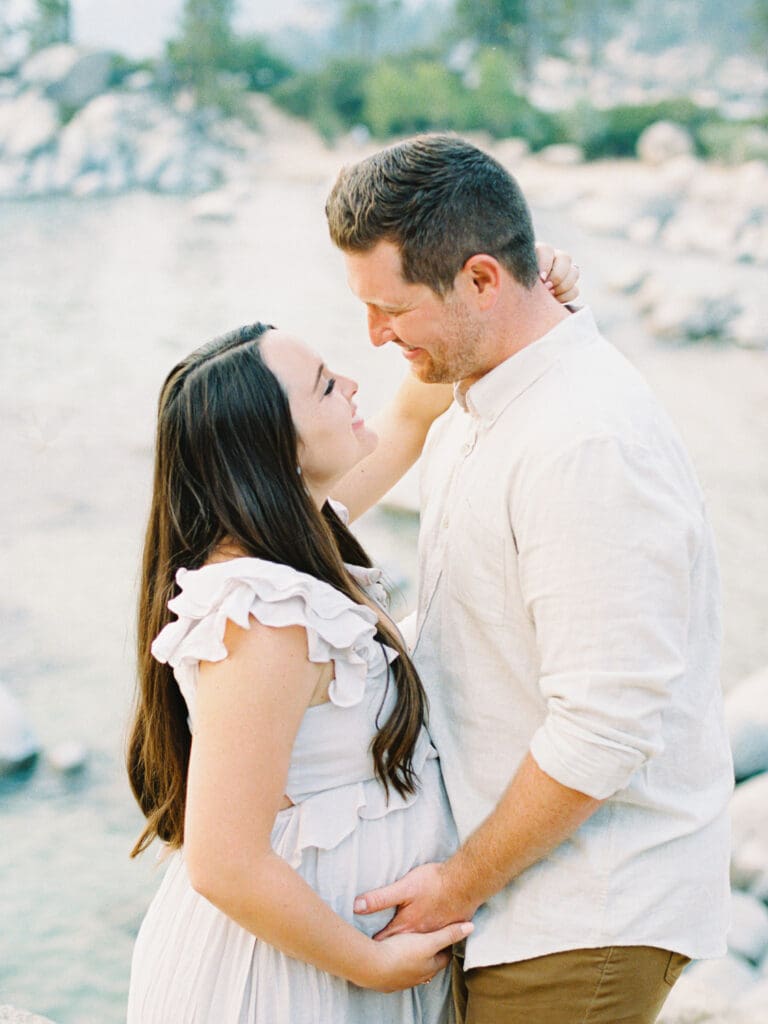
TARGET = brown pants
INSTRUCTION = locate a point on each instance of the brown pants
(612, 985)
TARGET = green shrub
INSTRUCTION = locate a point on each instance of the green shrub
(404, 97)
(734, 141)
(614, 132)
(332, 99)
(250, 56)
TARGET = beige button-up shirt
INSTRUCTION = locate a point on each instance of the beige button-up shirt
(569, 605)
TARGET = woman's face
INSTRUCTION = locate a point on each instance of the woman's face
(333, 437)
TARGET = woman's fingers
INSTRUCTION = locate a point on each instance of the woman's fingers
(545, 256)
(450, 934)
(567, 282)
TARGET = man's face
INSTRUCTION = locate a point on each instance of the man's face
(439, 336)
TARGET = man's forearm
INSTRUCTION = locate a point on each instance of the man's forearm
(535, 814)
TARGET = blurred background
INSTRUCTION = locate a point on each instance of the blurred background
(163, 170)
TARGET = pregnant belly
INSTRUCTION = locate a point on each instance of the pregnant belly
(376, 851)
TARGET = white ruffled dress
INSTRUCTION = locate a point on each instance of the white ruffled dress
(194, 965)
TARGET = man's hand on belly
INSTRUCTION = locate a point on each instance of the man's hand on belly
(425, 902)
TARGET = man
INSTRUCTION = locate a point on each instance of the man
(568, 624)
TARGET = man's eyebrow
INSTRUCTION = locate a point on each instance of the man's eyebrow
(320, 369)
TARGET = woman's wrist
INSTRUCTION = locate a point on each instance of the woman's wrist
(370, 966)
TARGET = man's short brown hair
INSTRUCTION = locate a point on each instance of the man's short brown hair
(440, 200)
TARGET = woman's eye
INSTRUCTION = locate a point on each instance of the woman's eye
(329, 386)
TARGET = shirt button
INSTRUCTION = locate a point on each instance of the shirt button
(444, 523)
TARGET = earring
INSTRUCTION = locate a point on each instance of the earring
(298, 470)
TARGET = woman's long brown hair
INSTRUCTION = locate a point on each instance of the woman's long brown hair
(225, 467)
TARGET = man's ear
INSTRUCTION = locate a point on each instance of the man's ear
(482, 277)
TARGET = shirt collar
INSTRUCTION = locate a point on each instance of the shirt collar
(487, 398)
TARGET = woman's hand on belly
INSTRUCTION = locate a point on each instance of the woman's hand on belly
(403, 961)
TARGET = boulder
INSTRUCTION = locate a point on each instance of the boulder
(683, 316)
(706, 992)
(746, 705)
(663, 141)
(748, 934)
(156, 148)
(562, 154)
(511, 152)
(627, 278)
(102, 137)
(219, 204)
(644, 230)
(693, 229)
(10, 1015)
(88, 77)
(753, 1005)
(28, 124)
(69, 757)
(749, 817)
(138, 81)
(13, 175)
(19, 745)
(50, 65)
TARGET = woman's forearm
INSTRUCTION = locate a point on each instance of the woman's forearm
(266, 897)
(402, 428)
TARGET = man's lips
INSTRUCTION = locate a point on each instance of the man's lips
(411, 353)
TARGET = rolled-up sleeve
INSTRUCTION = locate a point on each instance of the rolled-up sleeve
(607, 534)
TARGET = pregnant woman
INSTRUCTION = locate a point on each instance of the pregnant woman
(279, 747)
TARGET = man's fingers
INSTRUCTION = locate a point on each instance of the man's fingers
(379, 899)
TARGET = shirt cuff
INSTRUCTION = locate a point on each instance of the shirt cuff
(576, 758)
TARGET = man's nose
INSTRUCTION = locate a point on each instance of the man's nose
(379, 330)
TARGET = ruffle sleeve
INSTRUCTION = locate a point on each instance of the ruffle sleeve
(338, 629)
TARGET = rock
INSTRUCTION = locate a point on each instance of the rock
(68, 757)
(746, 705)
(10, 1015)
(28, 124)
(8, 88)
(215, 205)
(102, 138)
(603, 216)
(692, 229)
(706, 992)
(748, 934)
(49, 65)
(626, 278)
(749, 817)
(39, 179)
(663, 141)
(690, 317)
(138, 81)
(88, 77)
(156, 149)
(752, 243)
(13, 174)
(754, 1003)
(19, 745)
(510, 152)
(644, 230)
(562, 155)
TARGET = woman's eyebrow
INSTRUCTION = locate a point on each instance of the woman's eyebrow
(320, 369)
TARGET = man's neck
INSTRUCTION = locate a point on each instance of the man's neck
(527, 315)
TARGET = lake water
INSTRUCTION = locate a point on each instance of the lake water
(99, 299)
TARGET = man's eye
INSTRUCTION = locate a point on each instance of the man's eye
(329, 386)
